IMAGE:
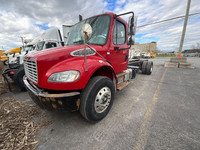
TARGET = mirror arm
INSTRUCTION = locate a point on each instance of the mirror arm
(130, 12)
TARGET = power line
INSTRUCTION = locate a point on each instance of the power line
(167, 20)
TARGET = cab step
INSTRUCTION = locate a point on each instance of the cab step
(122, 85)
(121, 74)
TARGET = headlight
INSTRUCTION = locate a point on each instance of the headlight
(65, 76)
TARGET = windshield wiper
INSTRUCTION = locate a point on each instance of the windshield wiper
(78, 42)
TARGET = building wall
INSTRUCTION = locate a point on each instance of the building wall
(191, 54)
(145, 47)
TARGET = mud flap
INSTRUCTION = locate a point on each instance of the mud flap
(5, 74)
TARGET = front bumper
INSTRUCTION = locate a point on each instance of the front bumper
(51, 101)
(14, 66)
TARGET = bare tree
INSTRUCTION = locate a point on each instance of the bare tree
(196, 46)
(193, 47)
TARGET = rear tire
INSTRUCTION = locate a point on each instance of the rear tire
(149, 67)
(97, 98)
(18, 78)
(144, 67)
(133, 74)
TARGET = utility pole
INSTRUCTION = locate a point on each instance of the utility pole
(184, 26)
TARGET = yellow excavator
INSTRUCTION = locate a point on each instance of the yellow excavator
(4, 57)
(1, 52)
(152, 55)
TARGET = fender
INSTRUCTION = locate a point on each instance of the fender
(75, 63)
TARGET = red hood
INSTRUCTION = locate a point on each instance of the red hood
(55, 53)
(49, 57)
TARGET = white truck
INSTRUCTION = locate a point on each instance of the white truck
(145, 55)
(134, 54)
(49, 39)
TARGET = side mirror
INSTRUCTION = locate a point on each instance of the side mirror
(80, 18)
(131, 40)
(14, 54)
(132, 25)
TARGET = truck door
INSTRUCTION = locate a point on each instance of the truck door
(119, 47)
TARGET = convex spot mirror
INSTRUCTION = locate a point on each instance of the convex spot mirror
(86, 31)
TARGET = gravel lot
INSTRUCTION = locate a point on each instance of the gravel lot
(160, 111)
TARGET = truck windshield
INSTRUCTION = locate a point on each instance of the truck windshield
(27, 48)
(40, 45)
(100, 28)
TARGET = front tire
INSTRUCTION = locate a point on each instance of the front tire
(18, 78)
(97, 98)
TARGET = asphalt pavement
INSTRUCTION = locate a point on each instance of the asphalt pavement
(155, 112)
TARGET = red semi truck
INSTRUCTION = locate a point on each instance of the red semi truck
(85, 74)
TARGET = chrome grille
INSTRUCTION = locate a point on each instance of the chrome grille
(30, 67)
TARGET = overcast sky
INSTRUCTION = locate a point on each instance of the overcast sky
(30, 18)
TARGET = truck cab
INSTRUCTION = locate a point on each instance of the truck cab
(10, 53)
(87, 71)
(13, 59)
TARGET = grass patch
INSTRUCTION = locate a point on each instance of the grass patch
(165, 55)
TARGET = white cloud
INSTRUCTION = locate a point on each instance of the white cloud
(12, 27)
(19, 18)
(120, 2)
(168, 33)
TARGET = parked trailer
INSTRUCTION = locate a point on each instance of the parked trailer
(144, 65)
(85, 74)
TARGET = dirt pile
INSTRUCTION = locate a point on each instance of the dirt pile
(3, 84)
(19, 124)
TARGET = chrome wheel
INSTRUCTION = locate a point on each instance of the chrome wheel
(102, 100)
(151, 69)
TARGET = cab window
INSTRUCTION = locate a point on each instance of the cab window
(50, 45)
(119, 34)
